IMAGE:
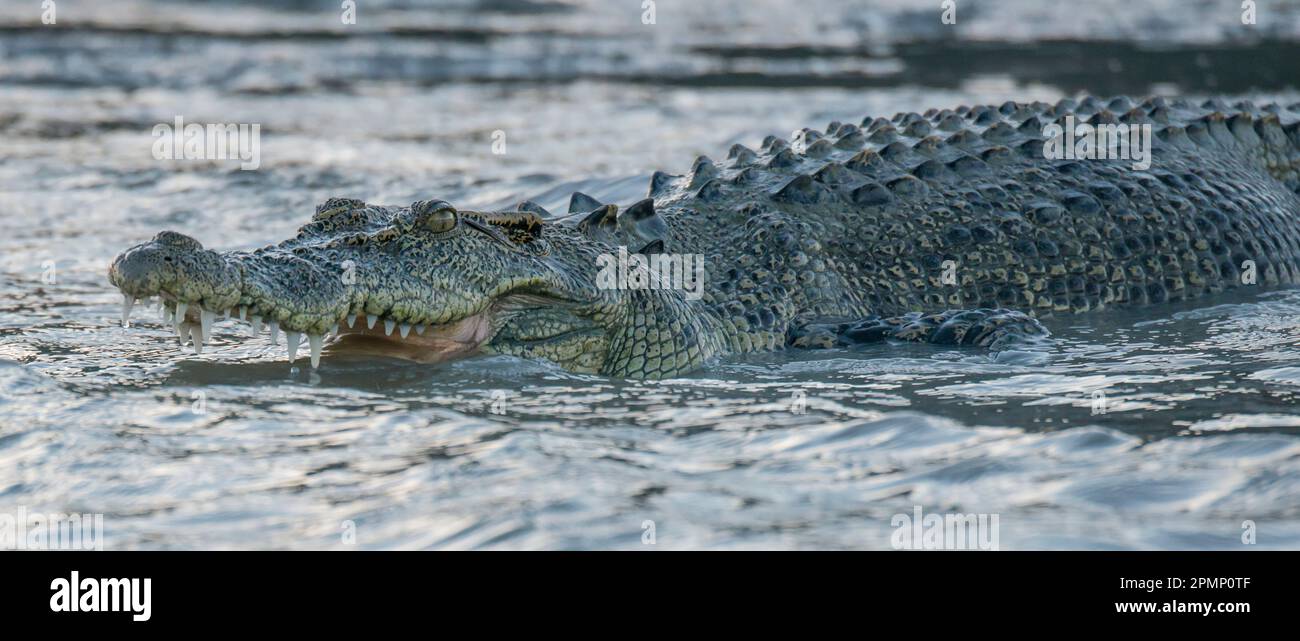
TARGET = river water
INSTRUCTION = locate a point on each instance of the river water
(1169, 427)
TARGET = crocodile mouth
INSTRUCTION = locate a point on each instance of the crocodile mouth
(355, 333)
(419, 343)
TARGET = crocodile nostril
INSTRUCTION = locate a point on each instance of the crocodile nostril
(177, 240)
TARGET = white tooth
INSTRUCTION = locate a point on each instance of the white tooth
(275, 331)
(127, 303)
(314, 341)
(196, 336)
(352, 319)
(183, 333)
(419, 329)
(292, 338)
(180, 312)
(169, 317)
(389, 324)
(205, 322)
(370, 321)
(243, 313)
(335, 330)
(257, 325)
(404, 330)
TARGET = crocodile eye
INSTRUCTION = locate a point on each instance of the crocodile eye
(441, 221)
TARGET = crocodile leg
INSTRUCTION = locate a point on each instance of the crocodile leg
(991, 328)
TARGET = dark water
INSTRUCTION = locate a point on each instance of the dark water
(1160, 428)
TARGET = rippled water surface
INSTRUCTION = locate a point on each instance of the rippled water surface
(1158, 428)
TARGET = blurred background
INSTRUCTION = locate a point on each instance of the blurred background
(236, 449)
(402, 104)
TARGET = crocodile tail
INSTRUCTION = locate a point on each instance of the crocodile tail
(1291, 151)
(1279, 142)
(1270, 134)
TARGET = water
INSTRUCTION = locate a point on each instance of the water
(1159, 428)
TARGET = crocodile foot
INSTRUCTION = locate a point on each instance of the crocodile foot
(991, 328)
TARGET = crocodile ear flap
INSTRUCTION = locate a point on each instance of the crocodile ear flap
(580, 202)
(640, 223)
(653, 247)
(519, 226)
(637, 226)
(601, 224)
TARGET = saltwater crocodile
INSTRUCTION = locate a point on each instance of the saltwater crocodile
(952, 226)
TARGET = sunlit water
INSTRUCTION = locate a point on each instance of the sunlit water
(1158, 428)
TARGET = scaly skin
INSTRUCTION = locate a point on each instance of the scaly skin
(845, 240)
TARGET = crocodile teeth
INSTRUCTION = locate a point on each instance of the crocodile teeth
(275, 331)
(127, 302)
(419, 329)
(352, 319)
(196, 337)
(292, 338)
(243, 313)
(370, 321)
(314, 341)
(205, 323)
(257, 325)
(168, 316)
(335, 330)
(404, 329)
(183, 333)
(180, 312)
(388, 327)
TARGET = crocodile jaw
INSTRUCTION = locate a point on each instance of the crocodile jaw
(194, 286)
(436, 344)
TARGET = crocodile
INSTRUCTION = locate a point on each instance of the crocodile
(953, 227)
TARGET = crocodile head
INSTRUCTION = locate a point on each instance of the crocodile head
(426, 282)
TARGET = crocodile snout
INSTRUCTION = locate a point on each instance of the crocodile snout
(175, 267)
